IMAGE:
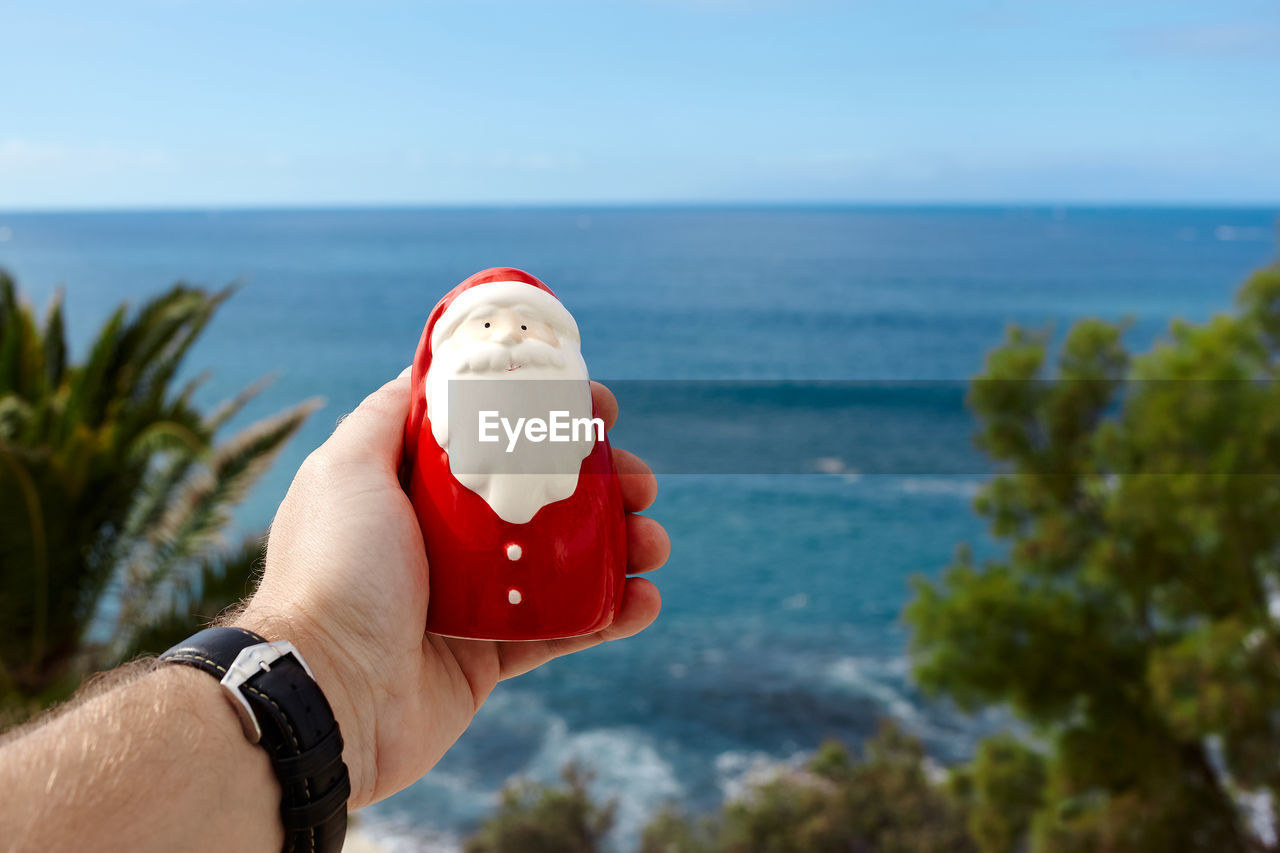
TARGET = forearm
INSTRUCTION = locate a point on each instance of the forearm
(157, 763)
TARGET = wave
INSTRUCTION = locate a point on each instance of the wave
(624, 761)
(1232, 233)
(393, 834)
(626, 765)
(960, 487)
(873, 679)
(738, 771)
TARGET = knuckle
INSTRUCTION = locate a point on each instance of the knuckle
(385, 401)
(317, 468)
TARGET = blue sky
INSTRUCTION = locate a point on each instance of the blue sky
(282, 102)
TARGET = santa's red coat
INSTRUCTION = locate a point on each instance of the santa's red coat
(564, 575)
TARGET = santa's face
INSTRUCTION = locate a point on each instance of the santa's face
(497, 341)
(511, 330)
(500, 343)
(508, 341)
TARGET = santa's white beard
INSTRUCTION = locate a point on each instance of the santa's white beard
(479, 359)
(514, 484)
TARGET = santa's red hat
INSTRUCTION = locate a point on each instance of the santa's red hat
(494, 286)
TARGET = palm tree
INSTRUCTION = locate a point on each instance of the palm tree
(114, 492)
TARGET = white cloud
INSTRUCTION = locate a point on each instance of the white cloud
(21, 156)
(1215, 41)
(513, 160)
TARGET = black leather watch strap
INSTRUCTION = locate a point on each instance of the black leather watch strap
(298, 730)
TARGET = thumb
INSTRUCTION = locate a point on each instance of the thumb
(374, 432)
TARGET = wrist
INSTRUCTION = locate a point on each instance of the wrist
(243, 780)
(341, 680)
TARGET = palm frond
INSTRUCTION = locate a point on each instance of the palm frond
(55, 342)
(29, 533)
(235, 467)
(223, 580)
(91, 384)
(197, 516)
(170, 326)
(228, 409)
(21, 356)
(15, 417)
(174, 452)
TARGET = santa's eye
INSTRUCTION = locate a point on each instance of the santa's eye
(486, 325)
(524, 328)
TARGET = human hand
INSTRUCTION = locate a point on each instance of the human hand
(347, 582)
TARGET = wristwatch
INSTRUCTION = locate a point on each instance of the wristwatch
(282, 708)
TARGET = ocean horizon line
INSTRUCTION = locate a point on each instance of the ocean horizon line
(1082, 205)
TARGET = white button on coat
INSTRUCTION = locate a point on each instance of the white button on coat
(514, 552)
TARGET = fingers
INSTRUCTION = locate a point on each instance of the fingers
(606, 404)
(639, 486)
(648, 544)
(641, 603)
(375, 430)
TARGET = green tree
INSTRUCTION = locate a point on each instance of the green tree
(114, 490)
(884, 802)
(1000, 792)
(537, 818)
(672, 831)
(1130, 621)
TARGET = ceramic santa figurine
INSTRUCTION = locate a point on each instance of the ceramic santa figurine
(509, 469)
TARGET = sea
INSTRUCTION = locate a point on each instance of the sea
(795, 374)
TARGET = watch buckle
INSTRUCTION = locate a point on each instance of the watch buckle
(251, 661)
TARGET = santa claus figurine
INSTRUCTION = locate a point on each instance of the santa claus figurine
(509, 469)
